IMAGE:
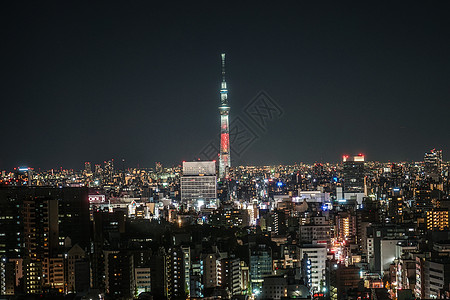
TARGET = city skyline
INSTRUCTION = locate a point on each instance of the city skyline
(122, 165)
(359, 229)
(225, 150)
(134, 82)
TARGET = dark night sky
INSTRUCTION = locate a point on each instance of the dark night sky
(90, 82)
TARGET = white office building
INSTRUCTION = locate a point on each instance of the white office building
(199, 184)
(317, 256)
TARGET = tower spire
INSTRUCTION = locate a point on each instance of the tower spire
(223, 67)
(223, 90)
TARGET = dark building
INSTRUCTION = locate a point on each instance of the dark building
(82, 276)
(353, 173)
(7, 276)
(73, 212)
(396, 205)
(423, 200)
(107, 228)
(347, 278)
(158, 274)
(119, 274)
(11, 224)
(230, 275)
(260, 264)
(77, 270)
(279, 222)
(433, 164)
(176, 275)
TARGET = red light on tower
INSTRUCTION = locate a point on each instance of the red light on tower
(224, 142)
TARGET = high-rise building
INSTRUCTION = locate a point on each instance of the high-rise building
(175, 270)
(143, 282)
(87, 167)
(353, 173)
(108, 171)
(345, 225)
(159, 273)
(40, 218)
(224, 108)
(424, 200)
(211, 270)
(245, 276)
(32, 279)
(198, 184)
(119, 274)
(7, 276)
(433, 163)
(260, 265)
(187, 268)
(315, 231)
(77, 280)
(74, 218)
(11, 224)
(432, 278)
(231, 274)
(395, 203)
(313, 265)
(98, 169)
(196, 286)
(437, 219)
(158, 167)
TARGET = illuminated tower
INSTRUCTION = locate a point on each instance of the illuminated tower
(224, 156)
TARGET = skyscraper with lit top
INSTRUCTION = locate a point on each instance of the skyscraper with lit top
(353, 173)
(433, 164)
(224, 108)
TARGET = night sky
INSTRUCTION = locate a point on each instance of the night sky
(134, 80)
